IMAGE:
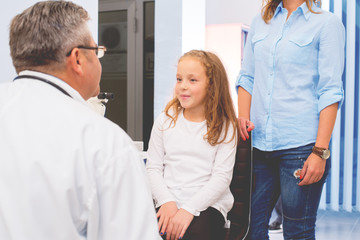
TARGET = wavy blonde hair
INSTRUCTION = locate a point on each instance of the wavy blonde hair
(219, 108)
(269, 7)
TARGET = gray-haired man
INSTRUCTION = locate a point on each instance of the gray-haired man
(65, 171)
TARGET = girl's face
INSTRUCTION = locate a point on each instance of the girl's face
(191, 86)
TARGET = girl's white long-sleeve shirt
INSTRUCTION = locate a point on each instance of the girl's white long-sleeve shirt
(183, 167)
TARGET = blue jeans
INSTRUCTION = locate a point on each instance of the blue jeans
(274, 174)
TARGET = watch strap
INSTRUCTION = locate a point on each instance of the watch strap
(320, 152)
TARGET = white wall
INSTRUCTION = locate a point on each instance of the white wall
(231, 11)
(16, 7)
(225, 23)
(179, 27)
(171, 18)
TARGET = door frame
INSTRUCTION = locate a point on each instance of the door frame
(136, 124)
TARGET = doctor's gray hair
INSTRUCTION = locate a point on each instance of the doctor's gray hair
(44, 33)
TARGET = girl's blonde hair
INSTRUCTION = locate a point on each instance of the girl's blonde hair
(269, 7)
(219, 109)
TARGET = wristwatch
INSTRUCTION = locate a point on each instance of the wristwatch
(321, 152)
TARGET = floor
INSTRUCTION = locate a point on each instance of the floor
(332, 225)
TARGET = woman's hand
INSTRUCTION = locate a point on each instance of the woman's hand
(245, 126)
(165, 213)
(313, 170)
(179, 224)
(314, 166)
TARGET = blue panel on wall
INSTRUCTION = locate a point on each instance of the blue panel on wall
(356, 110)
(331, 5)
(354, 191)
(342, 140)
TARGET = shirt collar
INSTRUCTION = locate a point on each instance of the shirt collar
(278, 9)
(303, 8)
(74, 94)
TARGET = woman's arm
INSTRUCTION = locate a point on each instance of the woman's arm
(329, 92)
(244, 85)
(314, 166)
(244, 102)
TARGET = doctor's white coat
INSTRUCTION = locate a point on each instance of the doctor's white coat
(66, 172)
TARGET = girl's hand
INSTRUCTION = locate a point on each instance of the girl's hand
(179, 224)
(165, 213)
(313, 170)
(245, 126)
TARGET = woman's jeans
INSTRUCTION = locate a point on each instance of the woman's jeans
(277, 173)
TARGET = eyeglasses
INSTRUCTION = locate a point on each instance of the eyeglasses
(99, 50)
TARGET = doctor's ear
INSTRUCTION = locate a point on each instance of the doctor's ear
(74, 60)
(74, 54)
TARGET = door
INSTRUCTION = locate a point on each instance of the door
(126, 29)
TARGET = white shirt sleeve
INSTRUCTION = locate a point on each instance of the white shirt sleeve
(155, 164)
(125, 202)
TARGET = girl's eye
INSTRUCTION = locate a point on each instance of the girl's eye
(178, 79)
(193, 80)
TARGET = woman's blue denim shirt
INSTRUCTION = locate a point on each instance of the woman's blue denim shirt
(293, 69)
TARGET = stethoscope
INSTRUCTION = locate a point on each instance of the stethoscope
(45, 81)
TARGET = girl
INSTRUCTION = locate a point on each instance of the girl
(192, 151)
(291, 81)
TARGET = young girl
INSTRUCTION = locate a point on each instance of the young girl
(192, 151)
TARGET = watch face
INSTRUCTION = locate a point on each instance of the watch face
(326, 154)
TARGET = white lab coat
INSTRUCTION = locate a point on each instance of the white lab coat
(66, 172)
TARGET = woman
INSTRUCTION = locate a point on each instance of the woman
(289, 90)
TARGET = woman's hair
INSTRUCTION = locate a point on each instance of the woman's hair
(44, 33)
(219, 109)
(269, 7)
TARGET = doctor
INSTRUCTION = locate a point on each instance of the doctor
(65, 171)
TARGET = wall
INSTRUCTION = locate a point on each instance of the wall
(225, 21)
(342, 190)
(177, 24)
(172, 17)
(231, 11)
(17, 6)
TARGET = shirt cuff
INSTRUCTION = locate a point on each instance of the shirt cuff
(329, 98)
(191, 210)
(244, 83)
(163, 201)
